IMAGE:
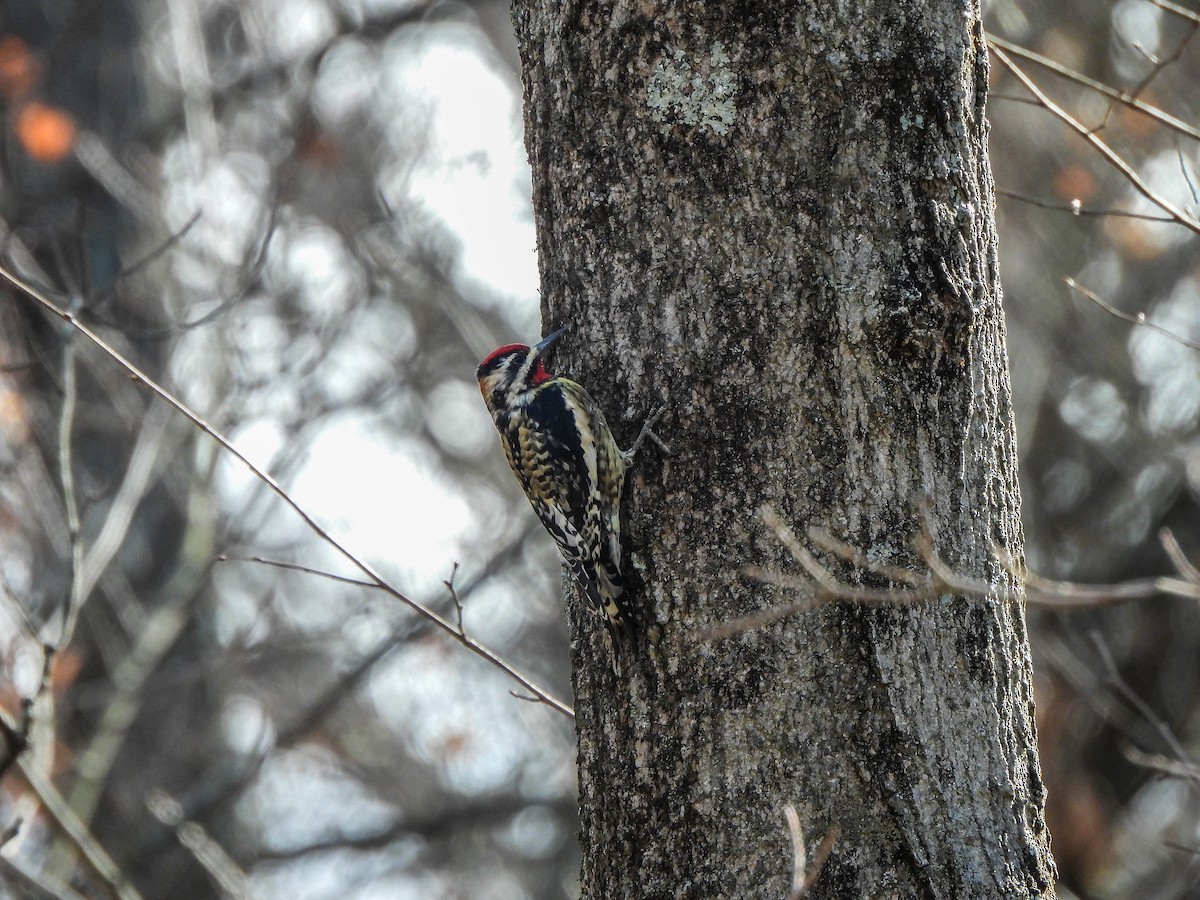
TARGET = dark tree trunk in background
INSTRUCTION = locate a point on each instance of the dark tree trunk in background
(778, 218)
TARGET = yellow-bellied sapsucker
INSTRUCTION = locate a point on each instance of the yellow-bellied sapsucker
(566, 459)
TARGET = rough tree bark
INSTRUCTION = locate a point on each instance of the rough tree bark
(778, 218)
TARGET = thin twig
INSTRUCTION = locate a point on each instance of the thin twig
(1132, 318)
(34, 885)
(458, 606)
(1114, 159)
(799, 851)
(856, 557)
(230, 880)
(805, 876)
(171, 240)
(1134, 700)
(1159, 763)
(1161, 63)
(147, 450)
(999, 44)
(1070, 595)
(66, 465)
(11, 830)
(824, 850)
(425, 612)
(1076, 208)
(296, 567)
(1187, 175)
(1011, 98)
(781, 529)
(77, 834)
(528, 699)
(1177, 10)
(822, 586)
(1182, 564)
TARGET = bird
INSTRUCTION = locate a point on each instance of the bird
(568, 463)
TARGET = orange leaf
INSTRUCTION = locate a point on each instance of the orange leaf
(46, 133)
(18, 68)
(1075, 182)
(14, 418)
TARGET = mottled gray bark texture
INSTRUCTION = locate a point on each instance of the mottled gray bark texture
(778, 218)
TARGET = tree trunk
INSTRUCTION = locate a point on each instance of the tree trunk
(778, 219)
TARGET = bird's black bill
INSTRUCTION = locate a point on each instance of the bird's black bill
(544, 344)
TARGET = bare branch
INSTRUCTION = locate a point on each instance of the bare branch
(1070, 595)
(1159, 763)
(458, 606)
(130, 673)
(1180, 561)
(425, 612)
(171, 240)
(11, 831)
(296, 567)
(147, 449)
(224, 872)
(527, 698)
(34, 885)
(484, 812)
(1114, 159)
(1076, 208)
(1134, 700)
(799, 851)
(66, 465)
(861, 560)
(827, 587)
(941, 579)
(77, 834)
(803, 875)
(998, 44)
(1177, 10)
(1132, 318)
(1161, 63)
(1187, 175)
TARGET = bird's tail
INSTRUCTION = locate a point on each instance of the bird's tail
(605, 592)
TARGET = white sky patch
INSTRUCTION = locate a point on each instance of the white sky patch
(457, 420)
(229, 196)
(311, 258)
(294, 29)
(1164, 175)
(1093, 407)
(303, 795)
(499, 250)
(371, 341)
(442, 95)
(1169, 370)
(386, 499)
(496, 613)
(449, 712)
(345, 81)
(248, 729)
(258, 440)
(347, 875)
